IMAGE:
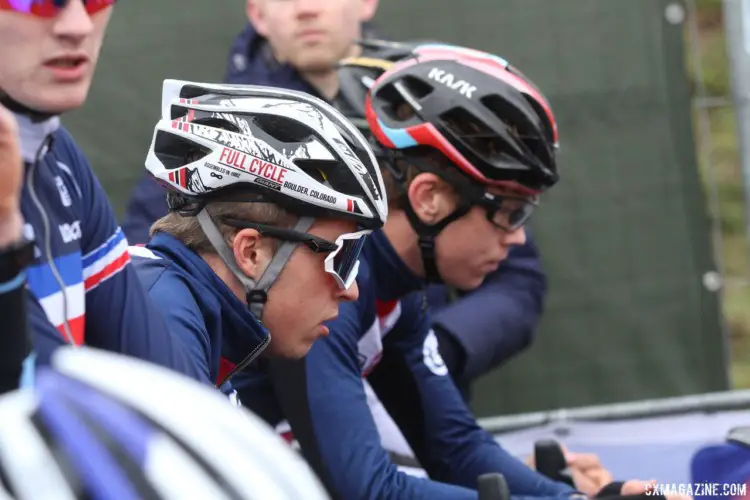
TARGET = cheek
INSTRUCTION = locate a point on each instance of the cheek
(20, 51)
(280, 28)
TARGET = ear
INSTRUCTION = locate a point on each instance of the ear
(252, 252)
(256, 16)
(369, 8)
(431, 197)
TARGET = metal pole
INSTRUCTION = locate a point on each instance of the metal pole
(737, 29)
(709, 402)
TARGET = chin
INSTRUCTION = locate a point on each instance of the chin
(316, 61)
(466, 284)
(65, 99)
(291, 352)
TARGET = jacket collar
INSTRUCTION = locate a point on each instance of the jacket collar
(241, 332)
(395, 280)
(33, 134)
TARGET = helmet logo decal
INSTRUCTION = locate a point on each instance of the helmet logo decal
(462, 86)
(256, 166)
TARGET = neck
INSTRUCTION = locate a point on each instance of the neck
(224, 273)
(33, 133)
(327, 82)
(404, 241)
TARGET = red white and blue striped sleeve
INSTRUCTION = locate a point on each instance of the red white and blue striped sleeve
(105, 261)
(119, 315)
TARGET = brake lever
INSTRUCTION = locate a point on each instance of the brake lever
(493, 487)
(550, 461)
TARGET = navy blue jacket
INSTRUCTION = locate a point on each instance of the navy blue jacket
(211, 324)
(386, 336)
(510, 300)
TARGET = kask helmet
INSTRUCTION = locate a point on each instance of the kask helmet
(140, 431)
(250, 143)
(475, 108)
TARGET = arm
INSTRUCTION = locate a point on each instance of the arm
(16, 343)
(147, 204)
(322, 396)
(510, 301)
(119, 315)
(413, 384)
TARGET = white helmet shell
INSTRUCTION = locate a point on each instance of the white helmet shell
(103, 425)
(243, 142)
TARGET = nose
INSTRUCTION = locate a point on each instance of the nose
(73, 22)
(514, 238)
(349, 295)
(309, 8)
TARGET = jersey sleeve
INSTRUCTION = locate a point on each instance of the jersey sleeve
(45, 337)
(413, 384)
(119, 315)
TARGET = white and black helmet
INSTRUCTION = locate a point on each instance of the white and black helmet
(140, 431)
(247, 143)
(252, 143)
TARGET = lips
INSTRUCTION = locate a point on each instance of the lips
(68, 61)
(311, 33)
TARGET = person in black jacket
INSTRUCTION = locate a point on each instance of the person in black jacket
(15, 253)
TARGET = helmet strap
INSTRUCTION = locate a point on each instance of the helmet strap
(22, 109)
(426, 235)
(256, 292)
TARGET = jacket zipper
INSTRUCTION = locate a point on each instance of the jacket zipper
(248, 359)
(46, 146)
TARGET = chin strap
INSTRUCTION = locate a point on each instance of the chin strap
(21, 109)
(256, 291)
(426, 235)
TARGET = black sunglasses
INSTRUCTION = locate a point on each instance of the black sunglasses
(314, 243)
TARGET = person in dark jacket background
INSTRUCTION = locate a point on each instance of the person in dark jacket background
(477, 332)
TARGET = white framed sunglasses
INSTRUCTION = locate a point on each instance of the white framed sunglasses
(342, 261)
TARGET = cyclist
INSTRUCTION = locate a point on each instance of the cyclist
(83, 289)
(468, 146)
(272, 193)
(79, 434)
(468, 156)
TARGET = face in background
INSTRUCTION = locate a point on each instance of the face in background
(47, 64)
(305, 296)
(469, 248)
(472, 247)
(311, 35)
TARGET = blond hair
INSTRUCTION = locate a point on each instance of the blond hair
(189, 232)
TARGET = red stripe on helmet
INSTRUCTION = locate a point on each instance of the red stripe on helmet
(426, 134)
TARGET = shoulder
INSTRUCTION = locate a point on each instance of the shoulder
(156, 271)
(66, 150)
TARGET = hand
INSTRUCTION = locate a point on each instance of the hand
(11, 173)
(589, 475)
